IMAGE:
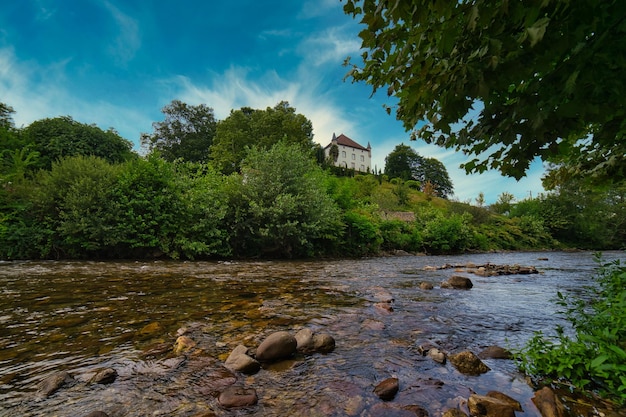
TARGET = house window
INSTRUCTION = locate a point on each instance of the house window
(343, 154)
(353, 157)
(362, 168)
(362, 159)
(352, 165)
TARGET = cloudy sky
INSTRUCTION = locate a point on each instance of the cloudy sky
(116, 63)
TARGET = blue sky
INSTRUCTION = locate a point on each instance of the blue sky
(116, 63)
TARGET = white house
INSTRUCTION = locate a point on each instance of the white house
(349, 154)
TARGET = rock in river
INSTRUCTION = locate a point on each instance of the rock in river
(239, 361)
(51, 384)
(458, 282)
(235, 397)
(387, 389)
(279, 345)
(468, 363)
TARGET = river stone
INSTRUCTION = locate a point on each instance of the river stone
(238, 360)
(384, 307)
(323, 343)
(468, 363)
(483, 406)
(53, 383)
(279, 345)
(387, 389)
(426, 286)
(495, 352)
(304, 341)
(150, 329)
(416, 410)
(97, 414)
(505, 398)
(458, 282)
(454, 413)
(235, 397)
(104, 376)
(548, 403)
(437, 355)
(183, 344)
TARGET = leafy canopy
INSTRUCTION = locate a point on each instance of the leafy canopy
(187, 132)
(247, 127)
(504, 81)
(405, 163)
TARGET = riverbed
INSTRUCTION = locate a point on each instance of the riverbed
(81, 317)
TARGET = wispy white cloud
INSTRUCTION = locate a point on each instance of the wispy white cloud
(331, 45)
(316, 8)
(236, 88)
(37, 92)
(128, 40)
(45, 10)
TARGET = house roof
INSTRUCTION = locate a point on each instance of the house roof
(346, 141)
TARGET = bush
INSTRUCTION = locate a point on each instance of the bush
(595, 357)
(448, 234)
(361, 236)
(397, 234)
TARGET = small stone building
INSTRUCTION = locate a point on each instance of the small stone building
(348, 154)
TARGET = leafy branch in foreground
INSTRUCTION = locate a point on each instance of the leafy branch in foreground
(595, 359)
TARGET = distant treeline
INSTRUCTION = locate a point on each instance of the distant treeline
(74, 191)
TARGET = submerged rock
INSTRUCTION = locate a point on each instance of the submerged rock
(454, 413)
(279, 345)
(53, 383)
(104, 376)
(468, 363)
(495, 352)
(236, 397)
(183, 344)
(387, 389)
(97, 414)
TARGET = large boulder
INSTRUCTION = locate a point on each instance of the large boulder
(468, 363)
(239, 361)
(304, 341)
(277, 346)
(458, 282)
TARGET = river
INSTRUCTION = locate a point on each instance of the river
(84, 316)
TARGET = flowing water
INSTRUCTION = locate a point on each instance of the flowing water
(81, 317)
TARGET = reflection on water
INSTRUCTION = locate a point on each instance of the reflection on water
(84, 316)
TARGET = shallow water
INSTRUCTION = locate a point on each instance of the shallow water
(84, 316)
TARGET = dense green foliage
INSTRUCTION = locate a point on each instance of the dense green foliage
(186, 133)
(504, 81)
(594, 356)
(61, 197)
(405, 163)
(246, 128)
(61, 137)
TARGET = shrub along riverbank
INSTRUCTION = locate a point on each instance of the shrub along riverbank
(281, 204)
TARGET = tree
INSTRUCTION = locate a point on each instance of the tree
(434, 172)
(405, 163)
(61, 137)
(247, 127)
(520, 79)
(187, 132)
(281, 207)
